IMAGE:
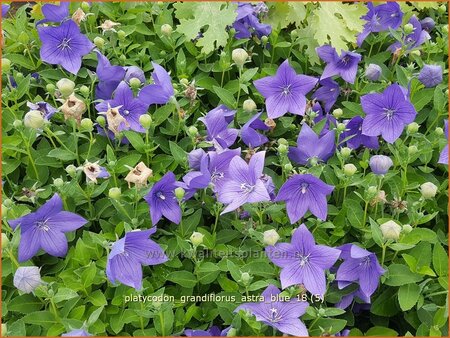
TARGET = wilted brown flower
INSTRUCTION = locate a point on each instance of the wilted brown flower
(109, 25)
(139, 175)
(78, 16)
(380, 198)
(270, 123)
(114, 119)
(74, 108)
(399, 206)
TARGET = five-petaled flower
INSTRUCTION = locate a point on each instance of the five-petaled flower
(64, 45)
(303, 192)
(345, 65)
(387, 113)
(129, 253)
(285, 91)
(45, 228)
(303, 261)
(281, 315)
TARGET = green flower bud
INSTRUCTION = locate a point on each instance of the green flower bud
(283, 141)
(390, 230)
(412, 128)
(239, 56)
(331, 277)
(6, 65)
(264, 39)
(292, 126)
(345, 152)
(184, 81)
(245, 278)
(114, 193)
(145, 120)
(19, 76)
(337, 113)
(50, 87)
(294, 34)
(99, 42)
(249, 106)
(33, 119)
(415, 52)
(5, 242)
(8, 202)
(85, 6)
(340, 127)
(372, 191)
(412, 150)
(442, 9)
(288, 167)
(196, 238)
(445, 29)
(192, 131)
(166, 29)
(162, 53)
(271, 237)
(65, 87)
(350, 169)
(179, 193)
(121, 35)
(71, 170)
(282, 149)
(58, 182)
(428, 190)
(439, 131)
(408, 28)
(84, 90)
(135, 83)
(232, 32)
(17, 124)
(407, 228)
(122, 58)
(101, 121)
(86, 124)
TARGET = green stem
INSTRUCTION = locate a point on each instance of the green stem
(239, 89)
(365, 212)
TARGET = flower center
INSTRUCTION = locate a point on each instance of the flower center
(287, 90)
(365, 261)
(42, 225)
(345, 60)
(389, 113)
(274, 315)
(160, 195)
(216, 175)
(304, 260)
(65, 43)
(247, 188)
(304, 187)
(126, 112)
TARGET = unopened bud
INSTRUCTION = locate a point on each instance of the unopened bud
(135, 83)
(6, 65)
(345, 152)
(340, 127)
(33, 119)
(99, 42)
(196, 238)
(121, 35)
(114, 193)
(65, 87)
(264, 39)
(179, 193)
(439, 131)
(145, 120)
(372, 191)
(288, 167)
(428, 190)
(84, 90)
(271, 237)
(101, 121)
(249, 106)
(5, 242)
(412, 128)
(86, 124)
(58, 182)
(19, 123)
(407, 228)
(192, 131)
(442, 9)
(350, 169)
(408, 28)
(283, 141)
(390, 230)
(71, 170)
(412, 150)
(239, 57)
(282, 149)
(337, 113)
(245, 278)
(373, 72)
(166, 29)
(50, 87)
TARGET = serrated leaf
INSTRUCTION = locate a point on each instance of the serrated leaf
(408, 295)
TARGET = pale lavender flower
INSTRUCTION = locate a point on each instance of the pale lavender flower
(216, 122)
(430, 75)
(213, 331)
(443, 157)
(77, 333)
(55, 13)
(27, 278)
(46, 109)
(380, 164)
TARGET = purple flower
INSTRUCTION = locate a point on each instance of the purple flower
(27, 278)
(109, 77)
(249, 134)
(359, 266)
(162, 201)
(218, 167)
(387, 113)
(355, 137)
(55, 13)
(373, 72)
(5, 9)
(312, 148)
(216, 122)
(128, 255)
(347, 300)
(380, 164)
(303, 193)
(380, 18)
(195, 157)
(161, 90)
(427, 24)
(134, 72)
(443, 157)
(213, 331)
(413, 40)
(129, 107)
(330, 119)
(282, 315)
(268, 183)
(247, 22)
(285, 91)
(343, 333)
(302, 261)
(345, 65)
(46, 109)
(45, 228)
(328, 93)
(64, 45)
(430, 75)
(244, 184)
(77, 333)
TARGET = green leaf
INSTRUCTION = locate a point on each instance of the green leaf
(400, 274)
(177, 152)
(62, 154)
(24, 304)
(207, 272)
(225, 96)
(422, 98)
(184, 278)
(196, 16)
(94, 316)
(135, 139)
(385, 304)
(408, 295)
(163, 322)
(281, 14)
(381, 331)
(64, 294)
(41, 318)
(440, 260)
(376, 232)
